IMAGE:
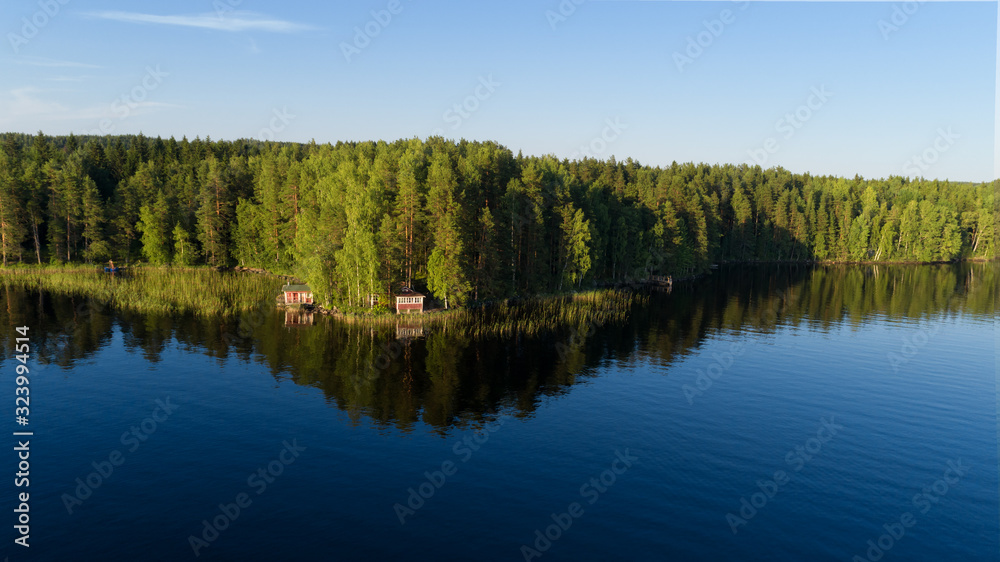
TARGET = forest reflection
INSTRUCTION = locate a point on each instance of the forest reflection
(400, 375)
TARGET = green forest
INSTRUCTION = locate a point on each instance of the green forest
(465, 221)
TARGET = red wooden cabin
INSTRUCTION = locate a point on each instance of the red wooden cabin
(297, 294)
(408, 301)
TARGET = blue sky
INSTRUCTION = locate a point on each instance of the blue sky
(818, 87)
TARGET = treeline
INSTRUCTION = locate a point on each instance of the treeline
(464, 220)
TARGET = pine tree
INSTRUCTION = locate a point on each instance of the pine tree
(124, 210)
(269, 173)
(13, 226)
(249, 235)
(488, 279)
(154, 224)
(446, 275)
(185, 250)
(64, 209)
(358, 260)
(741, 231)
(445, 269)
(34, 201)
(92, 217)
(214, 212)
(409, 213)
(575, 255)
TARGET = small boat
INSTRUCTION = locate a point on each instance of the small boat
(114, 269)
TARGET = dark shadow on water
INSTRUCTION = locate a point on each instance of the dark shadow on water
(401, 375)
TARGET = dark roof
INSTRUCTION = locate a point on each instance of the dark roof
(408, 292)
(296, 289)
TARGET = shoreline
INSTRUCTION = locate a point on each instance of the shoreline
(475, 313)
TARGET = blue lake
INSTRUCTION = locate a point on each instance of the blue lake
(760, 413)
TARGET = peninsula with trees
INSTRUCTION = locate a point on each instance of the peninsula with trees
(463, 221)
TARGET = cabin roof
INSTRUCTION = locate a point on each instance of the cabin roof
(408, 292)
(296, 289)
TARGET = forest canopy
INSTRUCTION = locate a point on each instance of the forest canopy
(466, 221)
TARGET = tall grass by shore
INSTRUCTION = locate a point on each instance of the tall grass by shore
(528, 317)
(205, 291)
(163, 290)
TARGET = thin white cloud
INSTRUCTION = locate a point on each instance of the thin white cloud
(26, 102)
(66, 78)
(51, 63)
(116, 112)
(21, 105)
(232, 21)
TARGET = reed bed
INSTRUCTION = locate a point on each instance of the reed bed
(166, 290)
(527, 317)
(204, 291)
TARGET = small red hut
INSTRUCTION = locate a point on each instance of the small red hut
(408, 301)
(297, 294)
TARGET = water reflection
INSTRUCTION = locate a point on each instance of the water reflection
(298, 317)
(406, 373)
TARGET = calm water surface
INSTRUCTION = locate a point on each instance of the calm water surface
(767, 413)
